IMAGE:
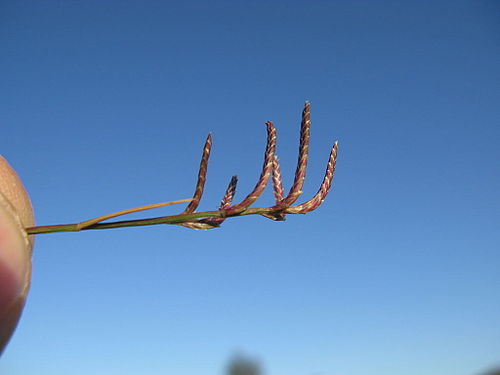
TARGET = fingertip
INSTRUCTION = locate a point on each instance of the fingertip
(15, 249)
(15, 272)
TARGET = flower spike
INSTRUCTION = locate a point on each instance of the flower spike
(264, 176)
(277, 181)
(278, 192)
(225, 203)
(300, 172)
(202, 176)
(320, 196)
(211, 219)
(229, 195)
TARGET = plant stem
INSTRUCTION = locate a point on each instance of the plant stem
(174, 219)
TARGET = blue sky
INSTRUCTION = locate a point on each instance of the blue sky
(106, 105)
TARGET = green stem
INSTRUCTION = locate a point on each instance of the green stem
(175, 219)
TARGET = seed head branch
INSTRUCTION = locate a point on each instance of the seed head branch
(278, 193)
(229, 195)
(211, 219)
(202, 177)
(278, 190)
(264, 176)
(320, 196)
(300, 172)
(224, 204)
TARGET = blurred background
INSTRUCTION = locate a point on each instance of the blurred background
(106, 105)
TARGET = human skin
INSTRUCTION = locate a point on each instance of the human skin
(16, 213)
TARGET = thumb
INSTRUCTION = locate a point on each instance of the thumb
(16, 214)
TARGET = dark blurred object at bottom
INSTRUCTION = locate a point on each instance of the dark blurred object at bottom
(495, 371)
(245, 366)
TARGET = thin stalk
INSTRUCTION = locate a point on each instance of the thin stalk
(88, 223)
(174, 219)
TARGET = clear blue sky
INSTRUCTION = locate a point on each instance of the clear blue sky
(105, 106)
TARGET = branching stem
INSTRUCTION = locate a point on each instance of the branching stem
(211, 219)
